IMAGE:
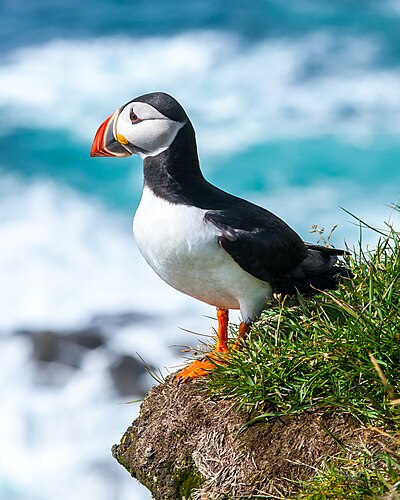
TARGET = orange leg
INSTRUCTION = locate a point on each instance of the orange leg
(222, 334)
(244, 329)
(201, 368)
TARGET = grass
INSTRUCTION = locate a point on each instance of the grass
(366, 475)
(337, 350)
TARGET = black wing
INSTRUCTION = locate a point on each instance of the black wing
(261, 243)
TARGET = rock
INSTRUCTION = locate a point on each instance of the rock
(64, 348)
(69, 347)
(90, 338)
(185, 445)
(127, 375)
(58, 354)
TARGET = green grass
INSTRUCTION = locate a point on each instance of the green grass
(337, 350)
(368, 475)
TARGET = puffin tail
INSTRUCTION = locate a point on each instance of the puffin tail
(311, 285)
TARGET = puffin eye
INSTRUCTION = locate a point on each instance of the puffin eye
(134, 117)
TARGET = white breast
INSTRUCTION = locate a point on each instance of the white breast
(182, 248)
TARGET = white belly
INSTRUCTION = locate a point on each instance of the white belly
(183, 250)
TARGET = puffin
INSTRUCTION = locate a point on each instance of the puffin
(201, 240)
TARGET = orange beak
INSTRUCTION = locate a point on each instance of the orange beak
(105, 142)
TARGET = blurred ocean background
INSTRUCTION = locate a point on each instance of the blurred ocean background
(296, 106)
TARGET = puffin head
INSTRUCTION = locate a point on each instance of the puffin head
(146, 126)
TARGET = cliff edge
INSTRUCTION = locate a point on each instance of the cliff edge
(185, 445)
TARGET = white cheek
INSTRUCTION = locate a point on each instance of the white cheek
(153, 136)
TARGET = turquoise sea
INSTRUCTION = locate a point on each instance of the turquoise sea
(296, 106)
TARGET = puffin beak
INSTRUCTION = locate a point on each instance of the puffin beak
(105, 142)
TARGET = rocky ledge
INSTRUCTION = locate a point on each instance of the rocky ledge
(184, 445)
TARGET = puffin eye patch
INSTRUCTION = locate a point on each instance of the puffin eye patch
(134, 117)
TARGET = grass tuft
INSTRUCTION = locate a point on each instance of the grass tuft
(338, 350)
(364, 474)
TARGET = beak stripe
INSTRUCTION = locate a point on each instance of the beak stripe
(105, 143)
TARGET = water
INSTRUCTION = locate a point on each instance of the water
(296, 106)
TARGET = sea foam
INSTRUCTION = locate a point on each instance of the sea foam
(238, 94)
(65, 257)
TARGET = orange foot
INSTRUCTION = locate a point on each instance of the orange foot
(200, 368)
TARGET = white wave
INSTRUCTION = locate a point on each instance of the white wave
(237, 94)
(64, 258)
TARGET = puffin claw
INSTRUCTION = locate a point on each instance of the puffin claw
(200, 368)
(178, 379)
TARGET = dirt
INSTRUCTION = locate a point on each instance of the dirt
(184, 445)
